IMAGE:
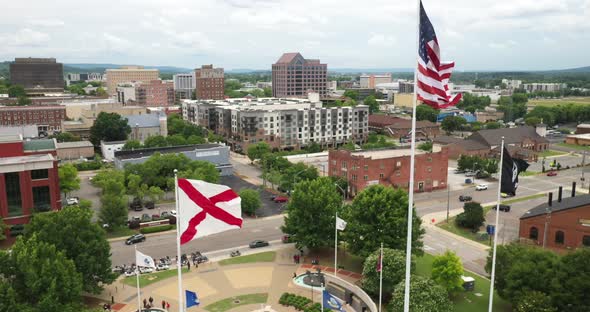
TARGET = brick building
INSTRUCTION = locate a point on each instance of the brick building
(67, 151)
(47, 118)
(29, 181)
(154, 93)
(116, 76)
(295, 76)
(389, 167)
(210, 83)
(37, 74)
(399, 127)
(564, 223)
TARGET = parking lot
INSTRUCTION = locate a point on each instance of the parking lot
(510, 221)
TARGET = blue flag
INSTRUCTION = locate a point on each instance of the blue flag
(331, 302)
(191, 299)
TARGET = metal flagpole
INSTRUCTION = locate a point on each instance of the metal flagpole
(137, 279)
(323, 289)
(496, 227)
(380, 277)
(179, 261)
(412, 162)
(336, 247)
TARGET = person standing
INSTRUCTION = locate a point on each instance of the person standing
(163, 304)
(167, 305)
(151, 300)
(188, 265)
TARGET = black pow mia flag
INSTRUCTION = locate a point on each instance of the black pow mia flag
(511, 168)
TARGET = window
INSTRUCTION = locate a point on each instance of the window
(534, 233)
(381, 176)
(366, 167)
(397, 173)
(398, 164)
(41, 198)
(559, 237)
(354, 177)
(39, 174)
(13, 197)
(366, 177)
(344, 164)
(586, 240)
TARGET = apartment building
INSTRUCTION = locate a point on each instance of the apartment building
(406, 86)
(295, 76)
(47, 118)
(210, 83)
(156, 93)
(184, 85)
(371, 81)
(282, 123)
(543, 87)
(512, 83)
(37, 74)
(116, 76)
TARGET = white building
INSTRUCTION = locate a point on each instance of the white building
(108, 149)
(185, 85)
(370, 81)
(543, 87)
(512, 84)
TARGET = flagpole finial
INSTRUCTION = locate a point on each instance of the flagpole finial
(176, 170)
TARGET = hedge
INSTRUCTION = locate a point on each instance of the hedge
(155, 229)
(300, 303)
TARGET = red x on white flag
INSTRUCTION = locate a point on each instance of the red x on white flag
(206, 209)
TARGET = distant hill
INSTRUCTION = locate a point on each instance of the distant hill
(370, 70)
(585, 69)
(101, 68)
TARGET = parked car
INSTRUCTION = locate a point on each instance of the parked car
(258, 244)
(481, 187)
(146, 218)
(504, 195)
(165, 214)
(281, 199)
(136, 204)
(130, 273)
(505, 208)
(155, 216)
(135, 239)
(72, 201)
(551, 173)
(145, 270)
(150, 205)
(457, 171)
(136, 219)
(162, 267)
(470, 174)
(173, 213)
(465, 198)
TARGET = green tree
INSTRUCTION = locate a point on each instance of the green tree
(132, 144)
(573, 275)
(512, 109)
(175, 140)
(472, 216)
(394, 270)
(155, 193)
(23, 100)
(311, 213)
(100, 91)
(258, 150)
(3, 228)
(267, 92)
(493, 125)
(379, 214)
(155, 141)
(250, 201)
(201, 170)
(109, 127)
(195, 139)
(88, 248)
(351, 94)
(425, 296)
(447, 270)
(40, 277)
(372, 103)
(65, 137)
(452, 123)
(536, 301)
(68, 178)
(85, 204)
(16, 91)
(295, 173)
(533, 121)
(425, 112)
(134, 185)
(113, 200)
(426, 146)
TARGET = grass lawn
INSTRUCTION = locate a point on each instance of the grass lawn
(529, 173)
(147, 279)
(574, 146)
(549, 153)
(121, 232)
(346, 260)
(268, 256)
(230, 303)
(553, 102)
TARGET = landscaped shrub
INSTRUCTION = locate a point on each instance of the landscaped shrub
(134, 225)
(154, 229)
(89, 165)
(300, 303)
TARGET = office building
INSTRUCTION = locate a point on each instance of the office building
(37, 74)
(155, 93)
(47, 118)
(126, 93)
(389, 167)
(184, 85)
(210, 83)
(543, 87)
(282, 123)
(371, 81)
(406, 86)
(29, 181)
(512, 84)
(295, 76)
(116, 76)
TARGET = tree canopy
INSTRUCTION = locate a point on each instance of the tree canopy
(425, 112)
(471, 103)
(109, 127)
(452, 123)
(68, 178)
(258, 150)
(514, 107)
(250, 201)
(425, 296)
(447, 270)
(372, 103)
(472, 216)
(394, 270)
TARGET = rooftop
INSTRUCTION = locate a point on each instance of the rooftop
(585, 136)
(584, 126)
(566, 203)
(146, 152)
(74, 144)
(19, 160)
(143, 121)
(31, 107)
(385, 153)
(11, 138)
(396, 122)
(39, 145)
(511, 135)
(287, 58)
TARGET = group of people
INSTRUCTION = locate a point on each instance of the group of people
(150, 303)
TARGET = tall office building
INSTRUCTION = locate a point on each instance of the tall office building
(295, 76)
(37, 74)
(371, 81)
(209, 82)
(154, 93)
(129, 74)
(184, 85)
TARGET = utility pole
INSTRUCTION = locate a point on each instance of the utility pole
(583, 164)
(448, 199)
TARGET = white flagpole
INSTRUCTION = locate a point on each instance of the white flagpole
(137, 279)
(496, 227)
(179, 262)
(380, 276)
(336, 247)
(323, 289)
(412, 162)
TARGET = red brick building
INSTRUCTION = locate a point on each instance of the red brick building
(47, 118)
(155, 93)
(399, 127)
(567, 221)
(295, 76)
(29, 181)
(210, 83)
(389, 167)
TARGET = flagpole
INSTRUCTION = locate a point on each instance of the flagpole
(380, 276)
(336, 246)
(496, 227)
(179, 261)
(412, 162)
(137, 280)
(323, 290)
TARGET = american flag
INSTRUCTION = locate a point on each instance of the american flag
(433, 75)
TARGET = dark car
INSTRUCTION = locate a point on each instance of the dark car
(465, 198)
(150, 205)
(258, 244)
(136, 204)
(135, 239)
(505, 208)
(281, 199)
(146, 218)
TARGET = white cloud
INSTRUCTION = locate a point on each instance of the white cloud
(381, 40)
(503, 45)
(25, 37)
(50, 22)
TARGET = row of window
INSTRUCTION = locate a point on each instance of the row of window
(559, 237)
(41, 195)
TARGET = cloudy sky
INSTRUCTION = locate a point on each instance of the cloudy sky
(477, 34)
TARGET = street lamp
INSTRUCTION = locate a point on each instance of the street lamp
(344, 192)
(294, 177)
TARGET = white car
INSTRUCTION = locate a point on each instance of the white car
(72, 201)
(173, 212)
(130, 273)
(481, 187)
(144, 270)
(162, 267)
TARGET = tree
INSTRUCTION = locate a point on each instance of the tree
(533, 121)
(201, 170)
(258, 150)
(573, 275)
(155, 141)
(109, 127)
(425, 296)
(311, 213)
(250, 201)
(372, 103)
(85, 204)
(267, 92)
(155, 193)
(493, 125)
(295, 173)
(351, 94)
(394, 270)
(132, 144)
(425, 112)
(68, 178)
(195, 139)
(134, 185)
(452, 123)
(426, 146)
(513, 109)
(3, 228)
(113, 210)
(472, 216)
(100, 91)
(536, 301)
(37, 277)
(88, 248)
(16, 91)
(175, 140)
(379, 214)
(65, 137)
(23, 100)
(447, 270)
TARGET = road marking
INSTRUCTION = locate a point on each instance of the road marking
(256, 230)
(428, 248)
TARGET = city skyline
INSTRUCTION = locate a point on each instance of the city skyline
(506, 35)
